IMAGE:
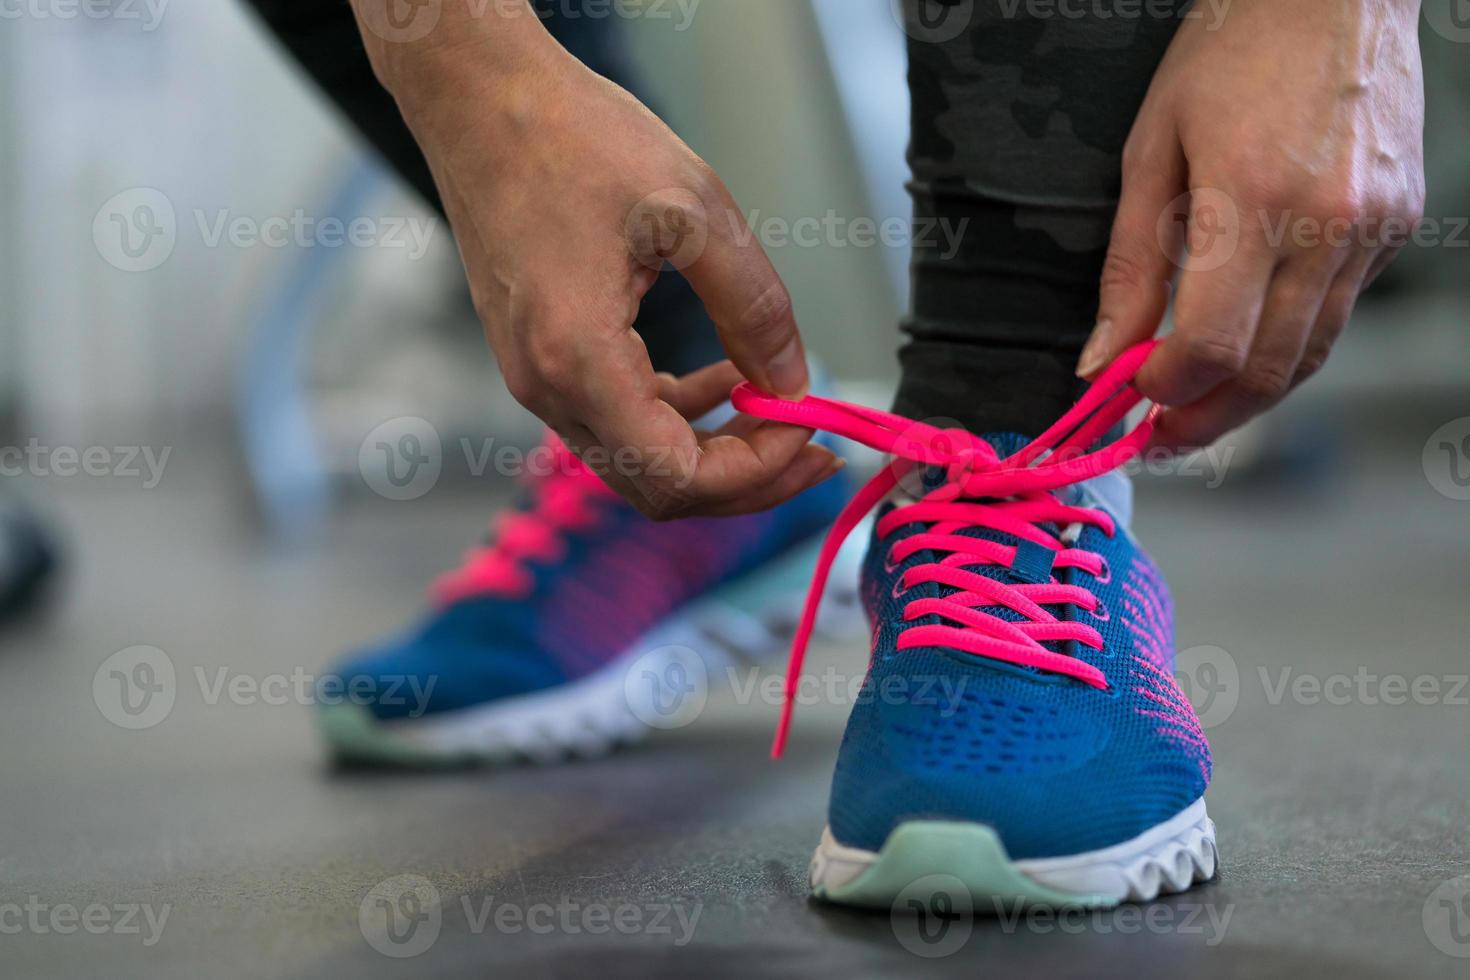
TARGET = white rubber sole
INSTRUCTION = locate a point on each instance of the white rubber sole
(970, 858)
(660, 681)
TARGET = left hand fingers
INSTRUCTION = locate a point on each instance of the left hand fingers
(1337, 309)
(1217, 310)
(1298, 297)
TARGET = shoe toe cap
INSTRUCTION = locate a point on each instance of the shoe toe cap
(1048, 778)
(413, 677)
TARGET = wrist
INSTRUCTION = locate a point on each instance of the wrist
(451, 47)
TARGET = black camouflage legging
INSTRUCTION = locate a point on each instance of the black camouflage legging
(1020, 111)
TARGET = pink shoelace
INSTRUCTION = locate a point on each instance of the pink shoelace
(1019, 491)
(565, 495)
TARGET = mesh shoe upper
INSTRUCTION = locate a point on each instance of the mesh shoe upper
(1055, 766)
(1021, 671)
(576, 597)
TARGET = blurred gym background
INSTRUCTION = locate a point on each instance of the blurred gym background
(263, 542)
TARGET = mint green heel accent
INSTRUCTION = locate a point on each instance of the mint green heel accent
(354, 735)
(971, 853)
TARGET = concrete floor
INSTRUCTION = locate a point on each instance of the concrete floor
(1340, 823)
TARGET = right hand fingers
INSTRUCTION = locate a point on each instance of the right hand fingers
(699, 392)
(647, 450)
(704, 236)
(812, 465)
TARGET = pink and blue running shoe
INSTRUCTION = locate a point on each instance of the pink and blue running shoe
(528, 651)
(1021, 738)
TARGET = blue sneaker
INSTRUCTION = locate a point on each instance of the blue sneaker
(1020, 738)
(528, 651)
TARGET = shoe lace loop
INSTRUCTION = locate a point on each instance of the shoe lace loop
(1014, 495)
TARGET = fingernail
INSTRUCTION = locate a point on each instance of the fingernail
(787, 371)
(1095, 354)
(827, 470)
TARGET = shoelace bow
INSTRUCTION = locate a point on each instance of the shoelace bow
(1018, 497)
(563, 499)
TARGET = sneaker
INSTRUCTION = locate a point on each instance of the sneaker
(528, 650)
(1021, 738)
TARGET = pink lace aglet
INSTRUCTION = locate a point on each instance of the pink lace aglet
(798, 648)
(778, 744)
(851, 516)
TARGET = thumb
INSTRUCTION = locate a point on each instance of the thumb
(723, 261)
(1146, 238)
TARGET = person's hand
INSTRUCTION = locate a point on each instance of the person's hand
(567, 197)
(1278, 161)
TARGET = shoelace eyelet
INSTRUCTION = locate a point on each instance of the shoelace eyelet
(889, 565)
(898, 590)
(1100, 613)
(1105, 575)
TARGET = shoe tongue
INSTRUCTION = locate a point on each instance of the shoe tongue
(1006, 443)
